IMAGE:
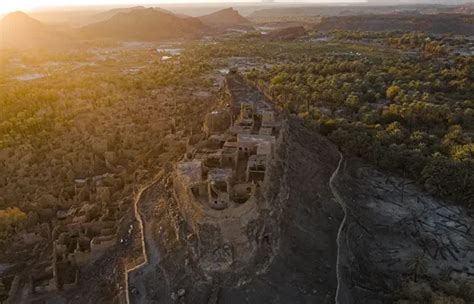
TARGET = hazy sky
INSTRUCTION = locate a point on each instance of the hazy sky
(14, 5)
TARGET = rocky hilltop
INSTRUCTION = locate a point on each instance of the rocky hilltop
(288, 217)
(333, 230)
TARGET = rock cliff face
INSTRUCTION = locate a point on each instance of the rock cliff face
(303, 271)
(297, 191)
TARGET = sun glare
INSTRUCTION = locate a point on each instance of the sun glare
(9, 7)
(27, 5)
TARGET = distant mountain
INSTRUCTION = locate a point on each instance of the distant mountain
(149, 24)
(225, 17)
(20, 31)
(110, 13)
(434, 23)
(102, 16)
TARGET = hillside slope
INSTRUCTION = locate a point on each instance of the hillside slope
(146, 25)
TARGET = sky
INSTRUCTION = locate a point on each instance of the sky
(7, 6)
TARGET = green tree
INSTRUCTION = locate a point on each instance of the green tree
(392, 91)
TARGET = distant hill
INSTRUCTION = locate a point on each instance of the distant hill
(225, 17)
(350, 10)
(20, 31)
(144, 24)
(434, 24)
(102, 16)
(110, 13)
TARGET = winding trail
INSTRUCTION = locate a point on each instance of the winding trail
(138, 217)
(341, 227)
(138, 277)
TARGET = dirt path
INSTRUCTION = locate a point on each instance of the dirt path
(142, 238)
(339, 199)
(137, 278)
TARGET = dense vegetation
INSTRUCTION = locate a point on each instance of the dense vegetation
(411, 115)
(80, 139)
(65, 126)
(430, 23)
(10, 219)
(399, 100)
(402, 101)
(29, 110)
(414, 41)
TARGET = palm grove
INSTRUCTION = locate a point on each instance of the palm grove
(408, 114)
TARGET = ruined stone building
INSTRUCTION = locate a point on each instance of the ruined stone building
(218, 185)
(74, 239)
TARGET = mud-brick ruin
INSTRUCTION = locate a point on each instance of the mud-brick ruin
(218, 185)
(79, 239)
(76, 238)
